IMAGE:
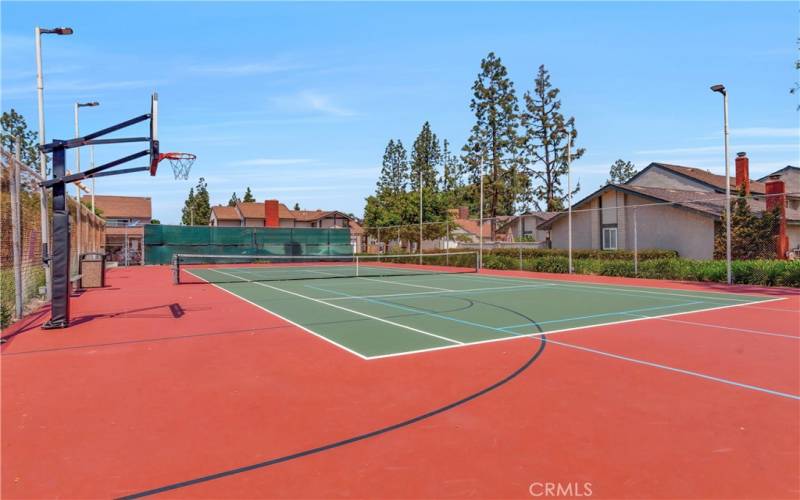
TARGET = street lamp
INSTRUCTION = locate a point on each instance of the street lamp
(719, 88)
(78, 186)
(38, 32)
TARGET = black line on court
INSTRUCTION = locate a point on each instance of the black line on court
(260, 465)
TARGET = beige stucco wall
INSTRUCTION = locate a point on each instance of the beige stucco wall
(690, 234)
(793, 232)
(226, 223)
(254, 222)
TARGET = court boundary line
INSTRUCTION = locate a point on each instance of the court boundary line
(358, 313)
(683, 371)
(615, 289)
(512, 336)
(743, 330)
(298, 325)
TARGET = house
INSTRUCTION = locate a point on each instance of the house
(525, 227)
(271, 213)
(125, 219)
(669, 207)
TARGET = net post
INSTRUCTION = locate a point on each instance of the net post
(176, 273)
(357, 266)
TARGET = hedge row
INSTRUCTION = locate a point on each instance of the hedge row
(645, 254)
(752, 272)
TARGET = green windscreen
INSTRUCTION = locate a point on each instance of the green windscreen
(161, 242)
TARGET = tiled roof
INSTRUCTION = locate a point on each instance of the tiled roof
(224, 212)
(472, 227)
(251, 210)
(708, 204)
(355, 227)
(706, 177)
(137, 207)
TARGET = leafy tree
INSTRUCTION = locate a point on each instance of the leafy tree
(234, 200)
(394, 172)
(493, 145)
(425, 158)
(88, 204)
(546, 142)
(14, 125)
(248, 196)
(197, 207)
(155, 221)
(752, 235)
(621, 172)
(296, 206)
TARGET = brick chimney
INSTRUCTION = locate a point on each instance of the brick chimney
(463, 212)
(271, 214)
(776, 198)
(743, 172)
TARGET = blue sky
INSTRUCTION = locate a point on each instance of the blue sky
(297, 101)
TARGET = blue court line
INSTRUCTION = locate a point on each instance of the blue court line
(585, 349)
(600, 315)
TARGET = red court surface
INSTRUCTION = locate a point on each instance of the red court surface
(190, 392)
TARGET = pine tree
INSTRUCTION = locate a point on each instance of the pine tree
(752, 235)
(234, 200)
(425, 158)
(296, 206)
(13, 126)
(546, 142)
(492, 148)
(394, 172)
(621, 172)
(202, 204)
(187, 216)
(248, 196)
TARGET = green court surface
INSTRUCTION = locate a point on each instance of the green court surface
(388, 316)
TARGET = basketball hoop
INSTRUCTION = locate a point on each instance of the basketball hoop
(181, 163)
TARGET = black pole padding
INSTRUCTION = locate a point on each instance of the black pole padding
(59, 259)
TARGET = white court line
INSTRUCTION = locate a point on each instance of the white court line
(298, 325)
(744, 330)
(677, 370)
(465, 290)
(319, 301)
(562, 330)
(603, 288)
(408, 284)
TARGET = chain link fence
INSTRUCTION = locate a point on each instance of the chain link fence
(22, 271)
(632, 234)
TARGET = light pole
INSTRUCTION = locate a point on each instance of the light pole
(91, 165)
(719, 88)
(420, 217)
(569, 201)
(79, 105)
(38, 32)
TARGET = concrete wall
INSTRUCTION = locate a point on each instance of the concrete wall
(660, 178)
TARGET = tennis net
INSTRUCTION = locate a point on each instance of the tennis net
(195, 268)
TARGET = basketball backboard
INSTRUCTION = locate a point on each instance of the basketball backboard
(154, 150)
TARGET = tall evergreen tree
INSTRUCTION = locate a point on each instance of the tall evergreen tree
(394, 172)
(425, 158)
(546, 142)
(621, 172)
(492, 147)
(14, 125)
(234, 200)
(248, 196)
(202, 204)
(296, 206)
(187, 215)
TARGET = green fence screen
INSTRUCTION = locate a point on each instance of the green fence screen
(161, 242)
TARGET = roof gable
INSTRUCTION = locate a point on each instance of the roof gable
(137, 207)
(703, 177)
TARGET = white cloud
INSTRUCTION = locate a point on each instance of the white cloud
(311, 101)
(766, 132)
(270, 162)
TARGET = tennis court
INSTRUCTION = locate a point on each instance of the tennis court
(402, 377)
(389, 307)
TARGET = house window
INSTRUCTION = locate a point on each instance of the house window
(610, 238)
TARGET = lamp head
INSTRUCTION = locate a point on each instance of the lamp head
(718, 88)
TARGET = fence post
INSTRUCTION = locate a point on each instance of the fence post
(380, 243)
(16, 227)
(635, 245)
